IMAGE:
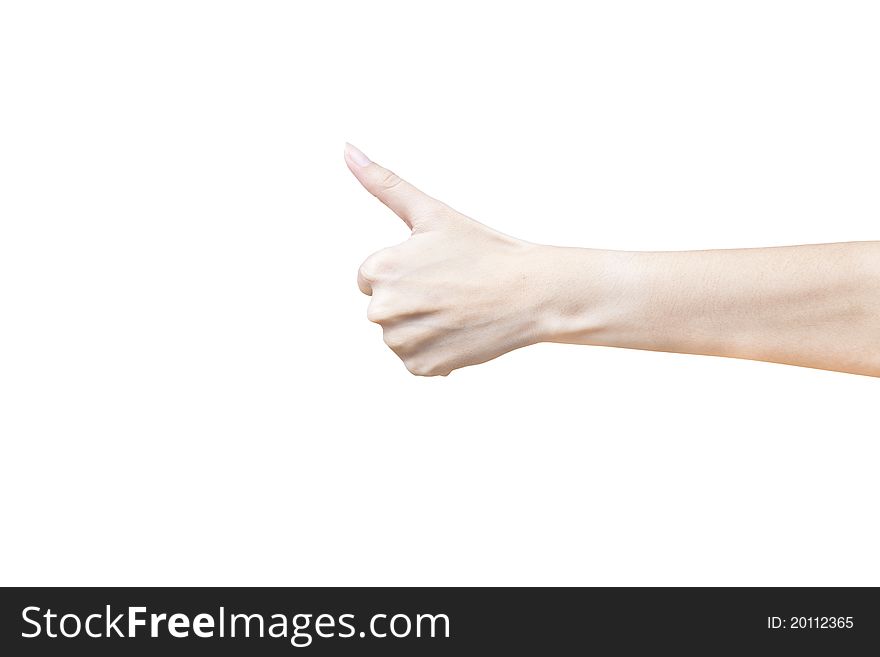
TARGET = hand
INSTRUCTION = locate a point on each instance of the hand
(456, 293)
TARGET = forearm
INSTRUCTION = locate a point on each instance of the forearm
(815, 305)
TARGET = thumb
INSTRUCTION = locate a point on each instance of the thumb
(406, 201)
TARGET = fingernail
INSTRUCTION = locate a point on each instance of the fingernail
(356, 156)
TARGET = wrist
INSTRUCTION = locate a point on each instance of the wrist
(590, 296)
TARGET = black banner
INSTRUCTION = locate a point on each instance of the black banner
(437, 621)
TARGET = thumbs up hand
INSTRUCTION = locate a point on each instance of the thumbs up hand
(456, 293)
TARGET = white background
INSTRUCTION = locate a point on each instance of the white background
(190, 392)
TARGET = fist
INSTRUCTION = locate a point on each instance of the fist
(456, 293)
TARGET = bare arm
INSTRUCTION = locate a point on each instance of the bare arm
(815, 306)
(458, 293)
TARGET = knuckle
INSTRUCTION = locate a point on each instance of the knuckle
(394, 339)
(378, 312)
(389, 181)
(365, 286)
(367, 270)
(373, 314)
(420, 368)
(376, 265)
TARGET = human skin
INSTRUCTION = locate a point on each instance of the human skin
(458, 293)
